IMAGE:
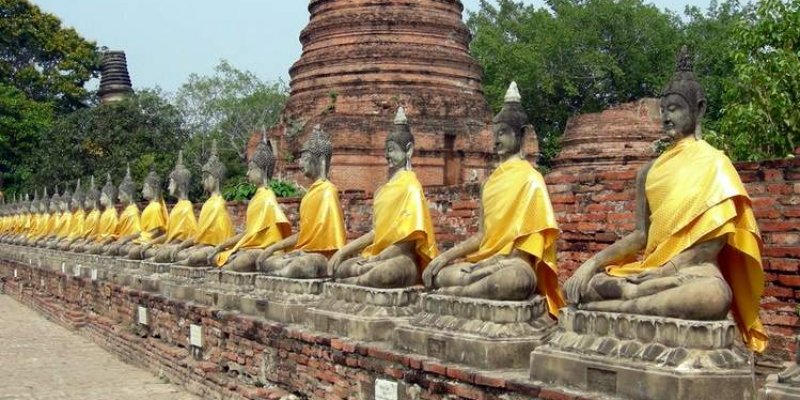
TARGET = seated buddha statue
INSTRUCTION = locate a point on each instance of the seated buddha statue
(91, 225)
(321, 229)
(695, 224)
(63, 227)
(129, 226)
(265, 222)
(45, 220)
(214, 226)
(154, 219)
(56, 220)
(513, 256)
(35, 220)
(77, 221)
(107, 227)
(401, 243)
(181, 224)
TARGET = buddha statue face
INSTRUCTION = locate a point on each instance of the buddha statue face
(255, 175)
(507, 142)
(397, 156)
(678, 117)
(64, 204)
(125, 197)
(308, 165)
(106, 201)
(148, 192)
(210, 182)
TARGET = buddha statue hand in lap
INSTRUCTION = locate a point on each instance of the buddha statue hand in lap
(265, 223)
(321, 229)
(513, 256)
(153, 220)
(402, 242)
(214, 226)
(695, 224)
(129, 226)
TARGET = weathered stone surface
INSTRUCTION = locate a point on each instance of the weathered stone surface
(363, 313)
(224, 289)
(485, 334)
(283, 299)
(642, 357)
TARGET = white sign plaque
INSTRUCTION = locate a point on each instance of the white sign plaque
(76, 270)
(94, 274)
(30, 261)
(385, 390)
(142, 315)
(196, 335)
(63, 268)
(41, 282)
(15, 273)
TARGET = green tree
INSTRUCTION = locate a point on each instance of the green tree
(144, 130)
(41, 58)
(21, 121)
(760, 119)
(574, 56)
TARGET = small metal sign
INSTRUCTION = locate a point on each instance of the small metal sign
(385, 390)
(15, 273)
(94, 274)
(142, 315)
(76, 271)
(196, 335)
(41, 282)
(63, 268)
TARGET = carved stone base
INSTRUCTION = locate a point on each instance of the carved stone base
(641, 357)
(363, 313)
(181, 282)
(224, 289)
(150, 276)
(774, 390)
(283, 299)
(484, 334)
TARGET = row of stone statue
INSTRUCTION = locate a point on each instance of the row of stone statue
(694, 223)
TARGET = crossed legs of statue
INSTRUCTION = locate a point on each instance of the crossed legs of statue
(698, 292)
(296, 265)
(195, 256)
(498, 278)
(243, 260)
(395, 272)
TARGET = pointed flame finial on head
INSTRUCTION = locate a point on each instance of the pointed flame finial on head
(214, 147)
(400, 118)
(684, 62)
(512, 94)
(180, 158)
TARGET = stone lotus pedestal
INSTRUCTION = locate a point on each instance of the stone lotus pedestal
(224, 289)
(283, 299)
(776, 390)
(640, 357)
(484, 334)
(363, 313)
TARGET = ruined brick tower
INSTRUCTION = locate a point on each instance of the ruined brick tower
(364, 58)
(115, 83)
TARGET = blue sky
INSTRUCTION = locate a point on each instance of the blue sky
(166, 40)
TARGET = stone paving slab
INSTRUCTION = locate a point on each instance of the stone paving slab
(42, 360)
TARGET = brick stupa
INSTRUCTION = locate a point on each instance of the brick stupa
(364, 58)
(115, 83)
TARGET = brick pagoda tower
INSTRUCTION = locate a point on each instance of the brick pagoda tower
(364, 58)
(115, 83)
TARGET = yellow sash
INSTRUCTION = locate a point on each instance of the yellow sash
(35, 223)
(154, 217)
(107, 227)
(400, 214)
(76, 225)
(214, 226)
(695, 195)
(321, 223)
(265, 225)
(182, 223)
(91, 226)
(64, 229)
(517, 214)
(129, 223)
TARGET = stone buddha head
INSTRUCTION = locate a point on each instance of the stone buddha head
(399, 143)
(179, 179)
(510, 125)
(262, 163)
(55, 202)
(127, 189)
(315, 156)
(683, 101)
(64, 201)
(44, 204)
(92, 200)
(151, 187)
(109, 193)
(77, 197)
(213, 171)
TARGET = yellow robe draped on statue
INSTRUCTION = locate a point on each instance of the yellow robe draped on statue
(129, 223)
(265, 224)
(401, 214)
(182, 223)
(33, 227)
(46, 222)
(517, 214)
(58, 223)
(695, 195)
(64, 229)
(321, 227)
(107, 227)
(214, 225)
(154, 217)
(91, 226)
(76, 225)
